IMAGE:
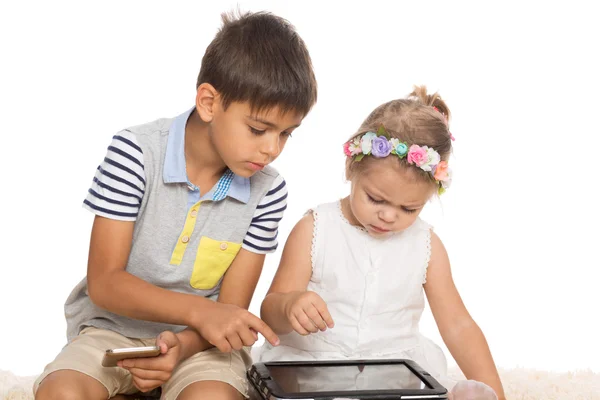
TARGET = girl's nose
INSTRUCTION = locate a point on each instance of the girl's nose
(387, 216)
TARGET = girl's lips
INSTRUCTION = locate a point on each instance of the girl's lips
(378, 229)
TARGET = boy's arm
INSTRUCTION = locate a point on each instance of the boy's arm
(241, 278)
(115, 197)
(109, 285)
(292, 277)
(460, 333)
(237, 288)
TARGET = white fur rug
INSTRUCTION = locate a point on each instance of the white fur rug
(519, 384)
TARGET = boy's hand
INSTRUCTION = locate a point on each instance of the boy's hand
(152, 372)
(229, 327)
(307, 313)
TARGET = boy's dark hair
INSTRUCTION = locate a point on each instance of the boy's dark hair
(260, 58)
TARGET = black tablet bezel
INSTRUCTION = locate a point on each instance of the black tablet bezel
(260, 378)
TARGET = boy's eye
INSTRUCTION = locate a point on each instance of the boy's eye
(374, 200)
(256, 131)
(408, 211)
(286, 134)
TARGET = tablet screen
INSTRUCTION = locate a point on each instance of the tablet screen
(303, 379)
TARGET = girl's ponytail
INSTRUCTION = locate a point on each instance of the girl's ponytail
(419, 94)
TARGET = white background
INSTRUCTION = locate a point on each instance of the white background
(520, 222)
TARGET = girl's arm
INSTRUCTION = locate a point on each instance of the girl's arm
(292, 277)
(460, 333)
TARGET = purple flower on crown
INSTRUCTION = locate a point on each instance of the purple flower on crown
(381, 147)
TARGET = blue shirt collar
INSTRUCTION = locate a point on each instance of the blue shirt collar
(174, 167)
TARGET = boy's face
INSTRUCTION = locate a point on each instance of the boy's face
(247, 141)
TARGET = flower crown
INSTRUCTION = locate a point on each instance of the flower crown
(380, 145)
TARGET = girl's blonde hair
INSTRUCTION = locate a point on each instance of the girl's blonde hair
(420, 119)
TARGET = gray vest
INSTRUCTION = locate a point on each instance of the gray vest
(159, 229)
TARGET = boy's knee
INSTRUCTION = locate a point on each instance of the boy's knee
(213, 390)
(70, 385)
(56, 392)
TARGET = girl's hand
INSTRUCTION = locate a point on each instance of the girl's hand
(307, 313)
(152, 372)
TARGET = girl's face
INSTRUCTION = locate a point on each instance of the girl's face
(385, 198)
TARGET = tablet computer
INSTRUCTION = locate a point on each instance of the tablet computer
(354, 379)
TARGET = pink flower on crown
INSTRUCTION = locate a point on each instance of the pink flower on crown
(441, 171)
(347, 150)
(355, 147)
(417, 155)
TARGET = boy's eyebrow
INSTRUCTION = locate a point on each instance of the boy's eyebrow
(267, 123)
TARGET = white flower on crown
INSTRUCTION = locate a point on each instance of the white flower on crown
(366, 142)
(448, 181)
(433, 159)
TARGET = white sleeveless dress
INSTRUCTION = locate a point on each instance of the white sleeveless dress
(373, 288)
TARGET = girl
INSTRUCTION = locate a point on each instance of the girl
(353, 272)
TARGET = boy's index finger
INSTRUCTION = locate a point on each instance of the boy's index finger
(260, 326)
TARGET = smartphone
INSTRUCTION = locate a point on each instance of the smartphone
(111, 356)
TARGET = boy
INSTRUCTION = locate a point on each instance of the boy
(186, 209)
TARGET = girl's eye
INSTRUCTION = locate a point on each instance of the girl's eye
(256, 131)
(286, 134)
(373, 200)
(406, 210)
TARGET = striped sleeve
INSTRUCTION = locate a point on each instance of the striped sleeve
(261, 237)
(119, 183)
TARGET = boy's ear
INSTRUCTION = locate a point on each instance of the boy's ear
(206, 101)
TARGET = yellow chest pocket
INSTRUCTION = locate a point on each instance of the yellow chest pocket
(212, 261)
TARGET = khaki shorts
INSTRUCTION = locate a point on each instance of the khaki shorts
(84, 354)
